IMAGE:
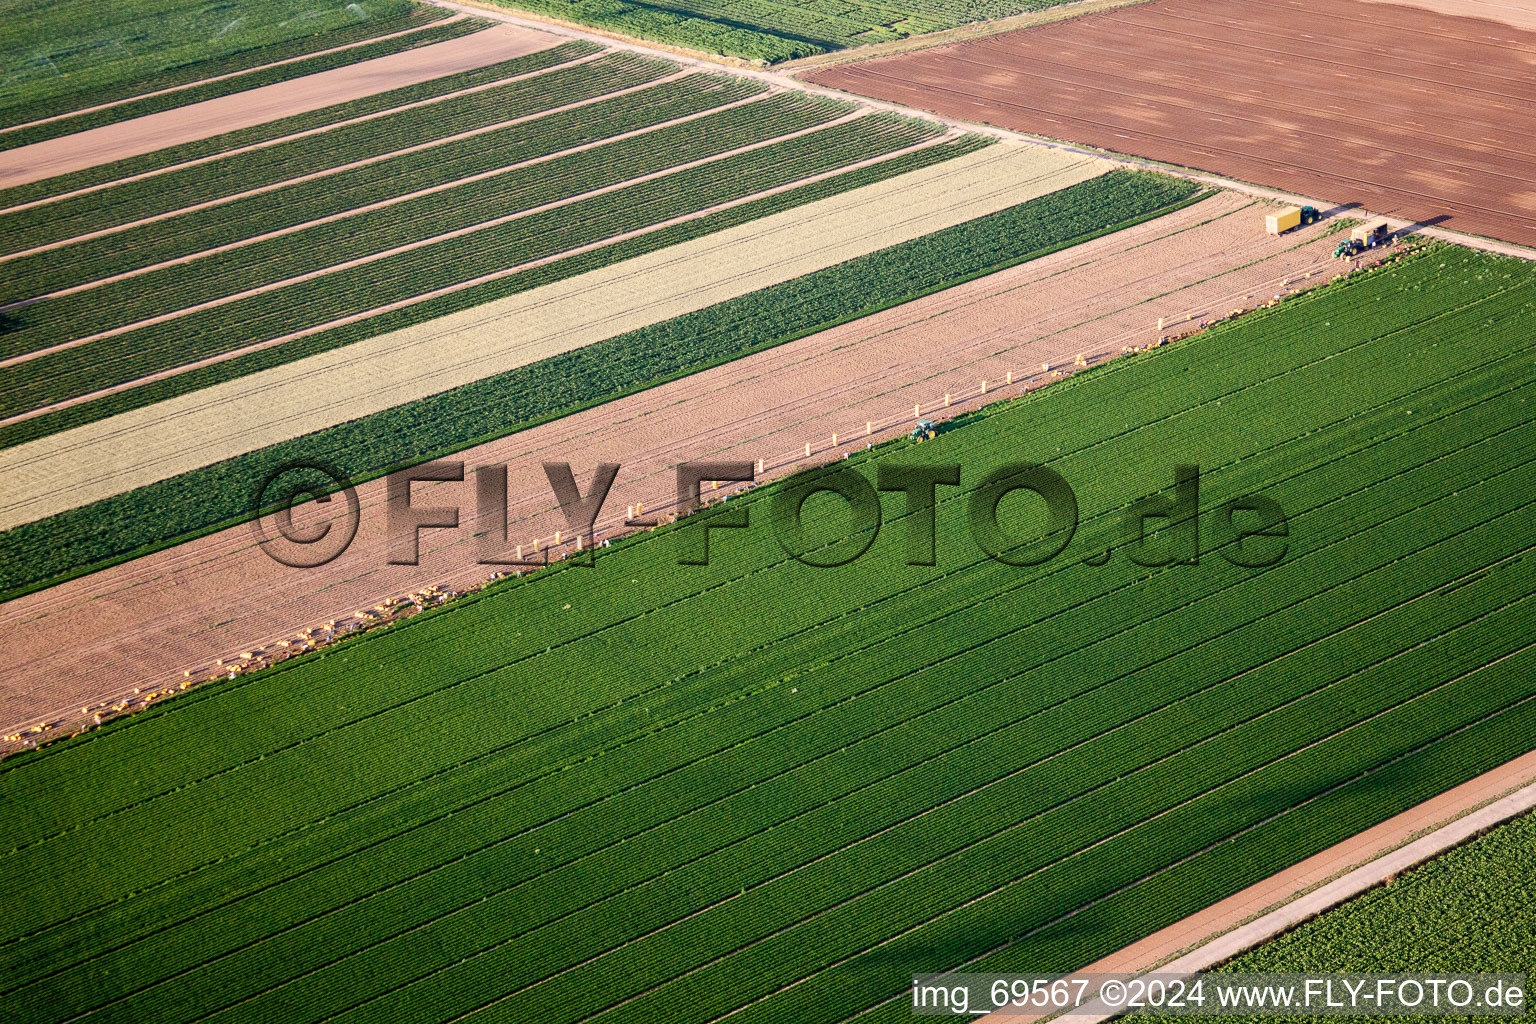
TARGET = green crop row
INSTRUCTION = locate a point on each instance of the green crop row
(296, 204)
(416, 16)
(86, 120)
(53, 50)
(127, 356)
(774, 30)
(76, 541)
(898, 770)
(272, 165)
(108, 174)
(415, 219)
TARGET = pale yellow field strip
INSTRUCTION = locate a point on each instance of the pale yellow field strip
(232, 74)
(267, 103)
(98, 460)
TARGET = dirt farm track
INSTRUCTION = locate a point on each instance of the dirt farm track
(1401, 110)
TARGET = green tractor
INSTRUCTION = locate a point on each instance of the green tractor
(924, 431)
(1348, 249)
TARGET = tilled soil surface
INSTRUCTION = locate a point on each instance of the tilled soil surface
(1401, 110)
(142, 623)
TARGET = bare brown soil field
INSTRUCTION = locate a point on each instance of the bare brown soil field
(140, 624)
(267, 103)
(1418, 115)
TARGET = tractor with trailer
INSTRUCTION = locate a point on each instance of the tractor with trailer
(1291, 217)
(1367, 236)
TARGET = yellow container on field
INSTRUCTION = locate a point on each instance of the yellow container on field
(1286, 219)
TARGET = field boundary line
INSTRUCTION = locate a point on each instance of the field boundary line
(1461, 814)
(455, 19)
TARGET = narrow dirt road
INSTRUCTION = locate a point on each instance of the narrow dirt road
(257, 106)
(140, 624)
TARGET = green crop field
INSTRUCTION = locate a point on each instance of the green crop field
(1468, 910)
(648, 791)
(162, 513)
(56, 57)
(773, 30)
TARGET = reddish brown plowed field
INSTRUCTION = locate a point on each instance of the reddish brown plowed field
(1419, 115)
(141, 623)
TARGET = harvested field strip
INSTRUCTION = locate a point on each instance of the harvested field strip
(95, 179)
(52, 128)
(351, 185)
(1421, 121)
(530, 91)
(412, 269)
(252, 108)
(469, 204)
(857, 771)
(684, 279)
(194, 75)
